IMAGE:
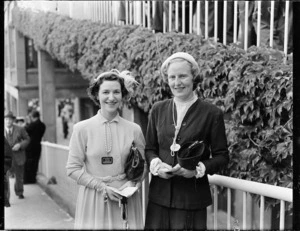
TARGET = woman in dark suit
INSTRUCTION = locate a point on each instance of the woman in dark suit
(178, 197)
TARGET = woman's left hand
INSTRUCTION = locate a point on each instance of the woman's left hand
(180, 171)
(127, 184)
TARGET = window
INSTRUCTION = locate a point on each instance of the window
(31, 54)
(6, 51)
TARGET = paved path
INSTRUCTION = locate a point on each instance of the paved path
(36, 211)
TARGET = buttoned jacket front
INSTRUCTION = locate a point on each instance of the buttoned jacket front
(19, 135)
(203, 121)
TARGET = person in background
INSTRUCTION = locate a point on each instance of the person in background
(7, 166)
(36, 130)
(66, 116)
(20, 121)
(178, 197)
(279, 23)
(99, 147)
(18, 140)
(251, 34)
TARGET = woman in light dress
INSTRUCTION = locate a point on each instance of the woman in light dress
(99, 147)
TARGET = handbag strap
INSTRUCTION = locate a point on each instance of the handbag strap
(124, 212)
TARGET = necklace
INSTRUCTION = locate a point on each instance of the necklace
(108, 139)
(108, 145)
(174, 147)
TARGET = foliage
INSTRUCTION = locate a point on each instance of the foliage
(253, 87)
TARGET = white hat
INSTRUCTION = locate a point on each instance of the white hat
(181, 55)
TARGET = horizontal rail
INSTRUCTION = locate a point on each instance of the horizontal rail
(276, 192)
(53, 145)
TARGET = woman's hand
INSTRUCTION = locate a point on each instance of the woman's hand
(180, 171)
(155, 165)
(113, 195)
(164, 171)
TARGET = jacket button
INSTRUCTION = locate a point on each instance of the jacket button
(184, 124)
(178, 138)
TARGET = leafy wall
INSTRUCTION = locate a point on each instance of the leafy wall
(253, 87)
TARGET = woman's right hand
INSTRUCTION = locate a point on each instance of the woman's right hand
(113, 195)
(164, 171)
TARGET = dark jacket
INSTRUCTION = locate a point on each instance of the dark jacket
(19, 135)
(7, 155)
(203, 121)
(35, 131)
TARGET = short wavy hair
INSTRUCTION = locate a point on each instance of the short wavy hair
(93, 89)
(194, 70)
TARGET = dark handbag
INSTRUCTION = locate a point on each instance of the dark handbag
(190, 154)
(134, 166)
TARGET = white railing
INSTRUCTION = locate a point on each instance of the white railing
(201, 16)
(54, 158)
(264, 190)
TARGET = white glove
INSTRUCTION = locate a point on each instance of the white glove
(155, 165)
(200, 169)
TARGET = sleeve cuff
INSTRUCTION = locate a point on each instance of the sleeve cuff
(200, 169)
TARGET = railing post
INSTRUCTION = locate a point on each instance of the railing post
(145, 191)
(235, 22)
(244, 209)
(215, 207)
(258, 22)
(149, 15)
(261, 214)
(176, 15)
(183, 16)
(216, 22)
(198, 19)
(143, 13)
(246, 25)
(206, 19)
(286, 29)
(225, 23)
(191, 17)
(272, 23)
(47, 167)
(228, 207)
(282, 215)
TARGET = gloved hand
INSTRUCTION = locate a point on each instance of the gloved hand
(200, 169)
(155, 165)
(180, 171)
(159, 168)
(164, 171)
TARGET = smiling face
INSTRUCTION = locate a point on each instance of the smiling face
(180, 80)
(110, 97)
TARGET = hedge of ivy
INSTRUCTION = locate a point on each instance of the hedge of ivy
(254, 87)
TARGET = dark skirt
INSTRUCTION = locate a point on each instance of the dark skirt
(160, 217)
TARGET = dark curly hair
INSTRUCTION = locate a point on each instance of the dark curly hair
(95, 84)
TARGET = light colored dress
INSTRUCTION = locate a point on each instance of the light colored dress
(87, 147)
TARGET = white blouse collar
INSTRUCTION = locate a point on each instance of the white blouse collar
(102, 119)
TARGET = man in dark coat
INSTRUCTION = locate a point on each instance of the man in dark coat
(18, 140)
(36, 130)
(7, 166)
